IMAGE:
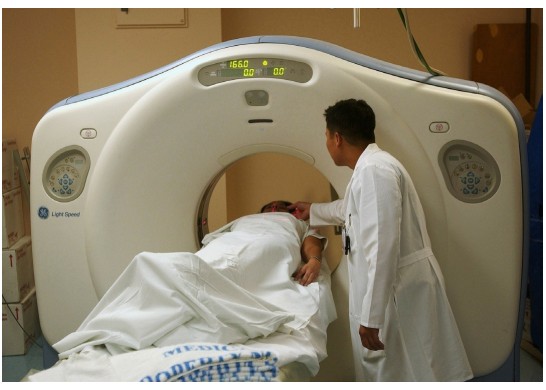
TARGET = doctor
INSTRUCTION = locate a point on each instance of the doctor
(402, 326)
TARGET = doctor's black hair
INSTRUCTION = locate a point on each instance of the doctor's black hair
(353, 119)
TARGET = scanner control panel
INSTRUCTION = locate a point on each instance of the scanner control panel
(470, 172)
(65, 173)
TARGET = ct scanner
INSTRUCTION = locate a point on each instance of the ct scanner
(130, 168)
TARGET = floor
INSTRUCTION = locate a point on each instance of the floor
(14, 368)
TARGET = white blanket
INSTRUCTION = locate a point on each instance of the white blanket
(238, 287)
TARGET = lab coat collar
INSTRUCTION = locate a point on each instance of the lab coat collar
(370, 149)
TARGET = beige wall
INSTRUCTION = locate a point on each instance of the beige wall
(38, 67)
(107, 55)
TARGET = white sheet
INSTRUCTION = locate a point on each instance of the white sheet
(237, 289)
(192, 362)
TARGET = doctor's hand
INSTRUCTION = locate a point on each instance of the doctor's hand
(370, 338)
(300, 210)
(307, 273)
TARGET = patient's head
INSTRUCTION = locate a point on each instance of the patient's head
(280, 206)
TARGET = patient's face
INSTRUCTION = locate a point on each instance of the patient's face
(276, 206)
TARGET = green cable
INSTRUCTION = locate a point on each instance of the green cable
(415, 46)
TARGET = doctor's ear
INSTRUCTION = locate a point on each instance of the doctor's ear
(338, 138)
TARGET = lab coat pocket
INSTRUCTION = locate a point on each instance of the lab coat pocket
(370, 356)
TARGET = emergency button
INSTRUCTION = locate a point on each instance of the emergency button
(88, 133)
(439, 127)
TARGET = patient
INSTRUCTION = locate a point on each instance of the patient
(253, 277)
(311, 248)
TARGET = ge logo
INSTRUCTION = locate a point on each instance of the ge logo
(43, 212)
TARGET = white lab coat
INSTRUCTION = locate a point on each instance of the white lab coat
(395, 281)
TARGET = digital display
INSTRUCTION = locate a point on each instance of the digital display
(249, 68)
(251, 72)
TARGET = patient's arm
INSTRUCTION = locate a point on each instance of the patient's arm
(311, 254)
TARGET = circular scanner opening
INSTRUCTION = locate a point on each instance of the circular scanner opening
(255, 180)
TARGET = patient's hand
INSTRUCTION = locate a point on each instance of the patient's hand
(308, 272)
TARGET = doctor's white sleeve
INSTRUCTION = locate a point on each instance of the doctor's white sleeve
(325, 214)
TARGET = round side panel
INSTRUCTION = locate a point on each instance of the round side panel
(65, 173)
